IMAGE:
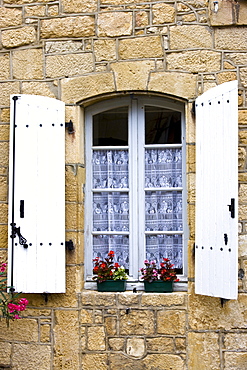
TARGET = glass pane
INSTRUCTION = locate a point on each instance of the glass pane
(163, 211)
(110, 128)
(110, 169)
(111, 212)
(165, 246)
(102, 244)
(162, 126)
(163, 168)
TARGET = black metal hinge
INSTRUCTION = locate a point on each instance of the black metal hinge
(70, 127)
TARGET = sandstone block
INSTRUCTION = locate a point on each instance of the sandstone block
(45, 333)
(3, 237)
(68, 65)
(96, 338)
(105, 50)
(24, 70)
(4, 153)
(169, 299)
(140, 47)
(86, 316)
(235, 341)
(111, 325)
(138, 322)
(132, 75)
(194, 61)
(191, 158)
(10, 17)
(141, 18)
(242, 245)
(128, 299)
(31, 356)
(5, 115)
(115, 24)
(226, 76)
(229, 13)
(95, 361)
(6, 89)
(242, 117)
(241, 157)
(19, 330)
(235, 360)
(4, 132)
(53, 10)
(171, 322)
(62, 46)
(189, 17)
(242, 137)
(3, 189)
(233, 38)
(35, 11)
(163, 13)
(18, 37)
(163, 361)
(236, 58)
(243, 76)
(203, 349)
(81, 6)
(135, 347)
(190, 36)
(24, 2)
(80, 26)
(116, 344)
(243, 192)
(161, 345)
(5, 353)
(175, 83)
(40, 88)
(191, 186)
(78, 88)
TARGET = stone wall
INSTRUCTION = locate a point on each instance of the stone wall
(81, 52)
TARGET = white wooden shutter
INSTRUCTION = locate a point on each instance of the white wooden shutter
(36, 178)
(216, 245)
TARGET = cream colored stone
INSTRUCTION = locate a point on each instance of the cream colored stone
(235, 341)
(5, 353)
(115, 24)
(163, 300)
(194, 61)
(95, 361)
(62, 46)
(4, 153)
(18, 37)
(190, 36)
(128, 299)
(24, 2)
(68, 65)
(24, 70)
(45, 333)
(79, 88)
(242, 244)
(235, 360)
(10, 17)
(4, 132)
(132, 75)
(174, 83)
(31, 356)
(242, 117)
(243, 76)
(116, 344)
(237, 58)
(3, 189)
(138, 322)
(80, 26)
(226, 76)
(228, 13)
(96, 338)
(140, 47)
(163, 13)
(86, 316)
(233, 38)
(141, 18)
(242, 192)
(53, 10)
(160, 344)
(204, 352)
(75, 6)
(135, 347)
(3, 237)
(35, 10)
(242, 137)
(40, 88)
(19, 330)
(104, 50)
(163, 361)
(111, 325)
(171, 322)
(189, 17)
(5, 115)
(241, 157)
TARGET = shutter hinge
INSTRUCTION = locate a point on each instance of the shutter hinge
(70, 245)
(17, 231)
(70, 127)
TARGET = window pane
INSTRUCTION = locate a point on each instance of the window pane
(162, 126)
(163, 168)
(110, 128)
(102, 244)
(165, 246)
(111, 212)
(110, 169)
(163, 211)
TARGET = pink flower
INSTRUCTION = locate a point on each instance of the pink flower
(3, 267)
(16, 317)
(23, 301)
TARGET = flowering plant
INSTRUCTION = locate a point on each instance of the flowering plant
(10, 303)
(165, 271)
(108, 270)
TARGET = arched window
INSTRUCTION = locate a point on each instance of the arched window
(135, 182)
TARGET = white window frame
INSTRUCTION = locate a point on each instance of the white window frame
(136, 112)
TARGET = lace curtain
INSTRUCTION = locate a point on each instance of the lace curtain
(163, 208)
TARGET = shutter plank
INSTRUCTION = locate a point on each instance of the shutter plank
(39, 180)
(216, 184)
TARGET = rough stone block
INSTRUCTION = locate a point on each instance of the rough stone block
(162, 300)
(194, 61)
(45, 333)
(229, 13)
(96, 338)
(40, 88)
(19, 330)
(4, 132)
(62, 46)
(69, 65)
(135, 347)
(35, 11)
(235, 360)
(18, 37)
(78, 88)
(132, 75)
(111, 325)
(141, 18)
(5, 353)
(160, 344)
(6, 89)
(10, 17)
(190, 36)
(174, 83)
(203, 349)
(140, 47)
(95, 361)
(171, 322)
(235, 341)
(163, 13)
(5, 115)
(116, 344)
(128, 299)
(3, 189)
(80, 26)
(81, 6)
(115, 24)
(31, 356)
(241, 157)
(104, 50)
(226, 76)
(24, 70)
(233, 38)
(243, 76)
(138, 322)
(5, 66)
(86, 316)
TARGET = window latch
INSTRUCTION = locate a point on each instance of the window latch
(232, 208)
(17, 231)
